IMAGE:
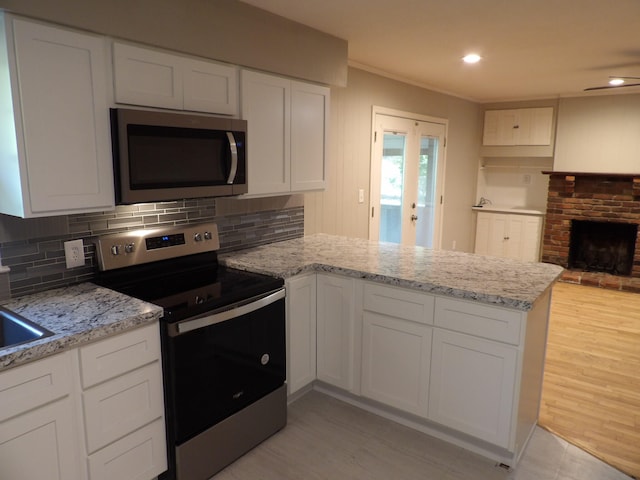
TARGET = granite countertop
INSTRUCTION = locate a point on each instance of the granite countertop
(76, 315)
(497, 281)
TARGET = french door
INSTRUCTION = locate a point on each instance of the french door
(407, 176)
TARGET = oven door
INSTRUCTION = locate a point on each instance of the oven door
(221, 362)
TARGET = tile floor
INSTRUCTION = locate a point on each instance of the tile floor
(328, 439)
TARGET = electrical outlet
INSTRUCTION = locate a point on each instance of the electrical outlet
(74, 253)
(527, 179)
(361, 195)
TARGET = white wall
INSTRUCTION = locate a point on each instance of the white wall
(337, 211)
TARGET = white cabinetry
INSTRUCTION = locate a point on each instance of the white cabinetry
(525, 126)
(286, 140)
(396, 347)
(335, 330)
(123, 405)
(155, 78)
(38, 433)
(121, 432)
(509, 235)
(472, 386)
(301, 331)
(55, 148)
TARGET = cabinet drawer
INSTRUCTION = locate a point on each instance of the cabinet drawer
(120, 354)
(479, 320)
(399, 303)
(138, 456)
(29, 386)
(122, 405)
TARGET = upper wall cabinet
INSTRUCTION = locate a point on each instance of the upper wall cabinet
(287, 134)
(160, 79)
(518, 132)
(55, 149)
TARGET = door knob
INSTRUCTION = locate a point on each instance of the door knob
(414, 218)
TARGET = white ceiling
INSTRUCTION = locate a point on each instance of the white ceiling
(530, 48)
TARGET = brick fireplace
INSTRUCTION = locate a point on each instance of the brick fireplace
(610, 199)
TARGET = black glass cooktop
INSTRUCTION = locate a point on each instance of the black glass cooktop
(188, 286)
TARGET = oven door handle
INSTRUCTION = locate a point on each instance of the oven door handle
(234, 311)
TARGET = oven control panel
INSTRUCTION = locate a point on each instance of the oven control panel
(143, 246)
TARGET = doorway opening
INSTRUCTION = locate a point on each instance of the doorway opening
(407, 178)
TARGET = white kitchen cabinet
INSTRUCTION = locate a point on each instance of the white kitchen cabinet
(509, 235)
(301, 331)
(38, 432)
(123, 405)
(55, 147)
(396, 347)
(524, 126)
(286, 140)
(336, 330)
(472, 386)
(155, 78)
(396, 355)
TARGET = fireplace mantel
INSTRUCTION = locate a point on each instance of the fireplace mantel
(591, 174)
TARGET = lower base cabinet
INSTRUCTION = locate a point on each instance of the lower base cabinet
(472, 386)
(96, 412)
(471, 371)
(396, 355)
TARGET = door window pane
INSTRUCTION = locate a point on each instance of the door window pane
(426, 191)
(391, 187)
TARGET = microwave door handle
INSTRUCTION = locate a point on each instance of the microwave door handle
(233, 148)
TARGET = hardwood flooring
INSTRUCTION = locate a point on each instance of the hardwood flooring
(591, 392)
(326, 439)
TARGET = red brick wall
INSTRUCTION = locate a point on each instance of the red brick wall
(600, 198)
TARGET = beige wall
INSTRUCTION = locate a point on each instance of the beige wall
(337, 211)
(598, 134)
(225, 30)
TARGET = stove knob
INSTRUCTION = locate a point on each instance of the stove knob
(208, 236)
(115, 249)
(199, 299)
(197, 237)
(129, 248)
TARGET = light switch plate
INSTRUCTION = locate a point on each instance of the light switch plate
(74, 253)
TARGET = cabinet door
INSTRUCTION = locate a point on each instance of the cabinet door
(500, 127)
(301, 332)
(396, 356)
(483, 226)
(498, 237)
(309, 125)
(515, 232)
(210, 87)
(65, 120)
(472, 386)
(266, 106)
(147, 77)
(41, 443)
(534, 126)
(532, 232)
(335, 330)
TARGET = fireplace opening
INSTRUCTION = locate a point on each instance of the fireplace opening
(602, 246)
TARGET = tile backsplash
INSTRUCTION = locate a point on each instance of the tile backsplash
(34, 251)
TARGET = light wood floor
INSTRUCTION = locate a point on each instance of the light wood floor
(591, 393)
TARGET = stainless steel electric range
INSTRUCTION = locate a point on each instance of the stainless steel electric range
(223, 342)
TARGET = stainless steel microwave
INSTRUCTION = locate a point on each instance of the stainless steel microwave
(163, 156)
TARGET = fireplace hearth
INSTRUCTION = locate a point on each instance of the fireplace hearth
(612, 202)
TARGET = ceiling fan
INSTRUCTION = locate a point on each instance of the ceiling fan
(618, 84)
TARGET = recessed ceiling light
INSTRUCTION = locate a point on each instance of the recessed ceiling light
(616, 82)
(471, 58)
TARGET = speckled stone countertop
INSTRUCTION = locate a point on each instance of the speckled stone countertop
(498, 281)
(76, 315)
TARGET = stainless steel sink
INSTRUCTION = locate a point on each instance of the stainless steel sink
(15, 329)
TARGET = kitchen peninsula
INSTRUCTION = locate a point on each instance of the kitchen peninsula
(449, 343)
